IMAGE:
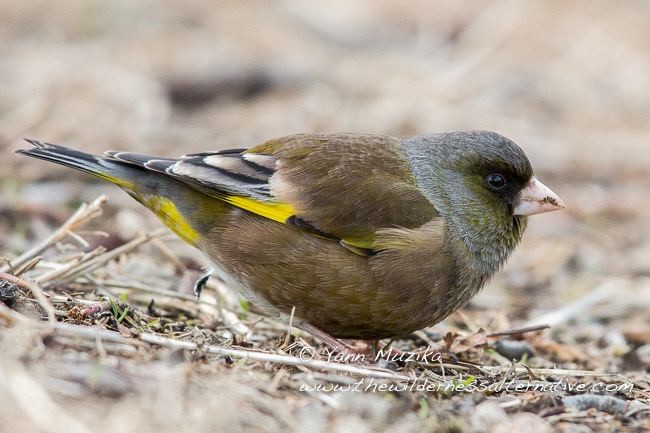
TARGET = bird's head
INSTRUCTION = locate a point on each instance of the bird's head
(483, 185)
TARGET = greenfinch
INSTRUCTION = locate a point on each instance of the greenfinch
(363, 236)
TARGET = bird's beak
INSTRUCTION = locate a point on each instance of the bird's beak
(536, 198)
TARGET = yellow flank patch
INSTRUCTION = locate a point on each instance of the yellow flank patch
(168, 213)
(116, 180)
(275, 211)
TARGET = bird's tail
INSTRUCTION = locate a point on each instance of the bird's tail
(172, 201)
(113, 171)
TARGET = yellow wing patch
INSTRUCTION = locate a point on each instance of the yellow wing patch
(166, 210)
(281, 212)
(275, 211)
(363, 244)
(169, 214)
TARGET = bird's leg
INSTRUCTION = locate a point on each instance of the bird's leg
(201, 282)
(334, 343)
(375, 346)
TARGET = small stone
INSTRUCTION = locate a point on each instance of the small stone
(643, 352)
(604, 403)
(9, 293)
(513, 349)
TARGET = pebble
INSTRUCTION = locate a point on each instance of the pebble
(514, 349)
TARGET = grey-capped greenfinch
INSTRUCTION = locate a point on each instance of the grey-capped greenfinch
(366, 236)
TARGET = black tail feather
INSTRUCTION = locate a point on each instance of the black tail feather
(111, 170)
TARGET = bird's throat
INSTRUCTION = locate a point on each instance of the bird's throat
(486, 247)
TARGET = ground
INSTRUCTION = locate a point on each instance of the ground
(103, 332)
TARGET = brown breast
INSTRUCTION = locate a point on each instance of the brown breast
(393, 293)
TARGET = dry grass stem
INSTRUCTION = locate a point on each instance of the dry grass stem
(85, 213)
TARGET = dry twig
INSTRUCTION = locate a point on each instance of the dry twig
(274, 358)
(85, 213)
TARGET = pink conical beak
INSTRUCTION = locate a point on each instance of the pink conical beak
(537, 198)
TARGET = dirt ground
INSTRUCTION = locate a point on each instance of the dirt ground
(103, 333)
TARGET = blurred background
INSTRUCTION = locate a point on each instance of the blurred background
(567, 80)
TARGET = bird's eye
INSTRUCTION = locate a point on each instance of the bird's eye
(495, 181)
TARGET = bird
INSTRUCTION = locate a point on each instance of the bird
(351, 235)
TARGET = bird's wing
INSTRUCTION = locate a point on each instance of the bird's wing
(344, 186)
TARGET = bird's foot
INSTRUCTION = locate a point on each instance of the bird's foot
(199, 285)
(367, 348)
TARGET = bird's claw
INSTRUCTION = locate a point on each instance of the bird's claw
(200, 284)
